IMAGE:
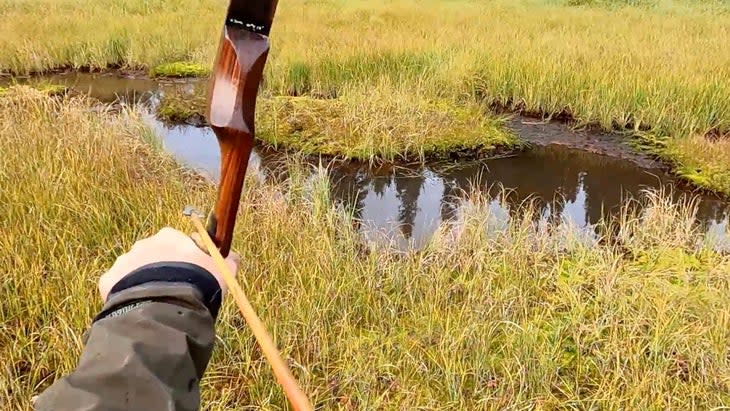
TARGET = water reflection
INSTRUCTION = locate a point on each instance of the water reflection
(406, 204)
(111, 87)
(718, 234)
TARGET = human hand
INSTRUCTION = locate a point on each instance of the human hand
(167, 245)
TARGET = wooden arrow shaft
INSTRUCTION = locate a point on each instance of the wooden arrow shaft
(296, 396)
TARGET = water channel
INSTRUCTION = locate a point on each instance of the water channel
(576, 176)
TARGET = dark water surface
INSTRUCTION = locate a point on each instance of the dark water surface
(406, 203)
(107, 87)
(577, 176)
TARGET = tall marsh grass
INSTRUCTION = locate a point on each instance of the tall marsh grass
(379, 122)
(657, 69)
(524, 317)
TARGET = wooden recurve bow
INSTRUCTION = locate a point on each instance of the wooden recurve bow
(234, 84)
(237, 74)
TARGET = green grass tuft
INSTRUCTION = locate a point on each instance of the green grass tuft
(180, 69)
(701, 161)
(369, 124)
(51, 89)
(375, 124)
(183, 106)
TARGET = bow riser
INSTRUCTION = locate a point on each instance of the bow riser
(231, 110)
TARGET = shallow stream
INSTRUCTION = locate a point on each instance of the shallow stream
(576, 176)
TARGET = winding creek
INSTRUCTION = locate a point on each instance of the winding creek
(576, 176)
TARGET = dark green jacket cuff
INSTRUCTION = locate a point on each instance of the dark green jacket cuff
(163, 274)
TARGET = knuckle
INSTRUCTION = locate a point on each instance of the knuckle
(167, 231)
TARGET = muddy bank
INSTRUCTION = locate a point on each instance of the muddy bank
(545, 133)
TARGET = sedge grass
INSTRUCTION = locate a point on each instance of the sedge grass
(179, 69)
(382, 122)
(701, 161)
(655, 66)
(527, 316)
(379, 123)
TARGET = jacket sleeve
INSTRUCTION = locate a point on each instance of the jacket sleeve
(149, 347)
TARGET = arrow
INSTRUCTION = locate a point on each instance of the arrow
(237, 73)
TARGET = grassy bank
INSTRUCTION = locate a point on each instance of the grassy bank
(376, 123)
(388, 124)
(657, 69)
(521, 318)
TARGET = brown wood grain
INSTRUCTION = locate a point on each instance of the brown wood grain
(231, 108)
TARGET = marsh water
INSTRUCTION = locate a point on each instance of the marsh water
(575, 176)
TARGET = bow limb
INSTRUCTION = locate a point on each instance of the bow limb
(237, 73)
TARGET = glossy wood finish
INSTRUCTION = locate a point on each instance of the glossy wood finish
(237, 74)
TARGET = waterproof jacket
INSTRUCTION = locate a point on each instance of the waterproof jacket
(148, 348)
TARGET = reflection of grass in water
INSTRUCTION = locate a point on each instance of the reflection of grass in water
(639, 320)
(660, 68)
(179, 104)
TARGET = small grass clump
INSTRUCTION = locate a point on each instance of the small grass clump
(180, 69)
(363, 123)
(51, 89)
(524, 314)
(701, 161)
(179, 105)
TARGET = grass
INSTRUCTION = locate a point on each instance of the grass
(180, 69)
(45, 87)
(649, 67)
(180, 105)
(51, 89)
(702, 161)
(524, 317)
(384, 122)
(380, 126)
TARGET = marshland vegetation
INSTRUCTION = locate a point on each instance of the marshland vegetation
(485, 316)
(656, 70)
(519, 315)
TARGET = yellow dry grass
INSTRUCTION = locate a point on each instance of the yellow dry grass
(660, 66)
(524, 317)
